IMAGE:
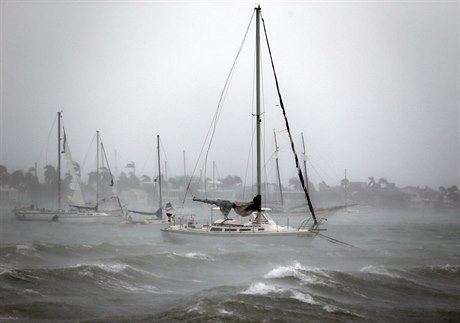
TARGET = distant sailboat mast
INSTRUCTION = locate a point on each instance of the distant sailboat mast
(59, 161)
(159, 170)
(97, 170)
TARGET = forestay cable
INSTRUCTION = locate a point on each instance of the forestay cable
(299, 170)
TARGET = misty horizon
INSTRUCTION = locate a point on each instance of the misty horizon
(372, 86)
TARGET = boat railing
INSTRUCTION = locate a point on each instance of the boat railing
(185, 220)
(303, 224)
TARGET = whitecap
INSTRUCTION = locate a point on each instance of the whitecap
(150, 289)
(451, 268)
(191, 255)
(26, 250)
(31, 292)
(87, 269)
(336, 309)
(198, 307)
(198, 255)
(113, 268)
(297, 271)
(378, 270)
(86, 273)
(304, 298)
(224, 311)
(260, 288)
(8, 318)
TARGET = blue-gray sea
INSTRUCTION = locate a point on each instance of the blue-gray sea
(404, 267)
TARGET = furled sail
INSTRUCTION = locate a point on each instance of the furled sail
(76, 198)
(241, 208)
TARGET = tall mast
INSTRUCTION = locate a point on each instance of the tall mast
(258, 120)
(185, 177)
(59, 161)
(116, 169)
(159, 169)
(97, 170)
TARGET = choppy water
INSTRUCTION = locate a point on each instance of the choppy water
(405, 267)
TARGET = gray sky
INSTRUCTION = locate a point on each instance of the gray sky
(374, 86)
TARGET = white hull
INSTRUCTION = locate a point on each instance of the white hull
(187, 236)
(67, 217)
(146, 221)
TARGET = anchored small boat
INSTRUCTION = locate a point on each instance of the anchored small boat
(260, 227)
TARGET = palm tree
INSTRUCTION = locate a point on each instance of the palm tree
(133, 181)
(145, 179)
(122, 182)
(17, 180)
(51, 176)
(231, 181)
(453, 196)
(105, 177)
(383, 182)
(344, 183)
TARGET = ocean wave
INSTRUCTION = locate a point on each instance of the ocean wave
(27, 250)
(110, 268)
(16, 275)
(439, 270)
(43, 249)
(198, 255)
(337, 310)
(260, 288)
(28, 292)
(111, 276)
(379, 270)
(313, 276)
(304, 298)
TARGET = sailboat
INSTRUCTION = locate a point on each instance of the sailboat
(260, 228)
(109, 209)
(74, 214)
(155, 217)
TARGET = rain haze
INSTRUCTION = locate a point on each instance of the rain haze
(373, 86)
(371, 91)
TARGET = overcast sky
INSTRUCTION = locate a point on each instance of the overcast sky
(373, 86)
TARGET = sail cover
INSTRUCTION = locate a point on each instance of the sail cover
(241, 208)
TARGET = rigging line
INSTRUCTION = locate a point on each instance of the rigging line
(46, 144)
(329, 169)
(107, 161)
(316, 171)
(336, 241)
(167, 169)
(225, 91)
(299, 170)
(216, 114)
(142, 169)
(87, 152)
(163, 150)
